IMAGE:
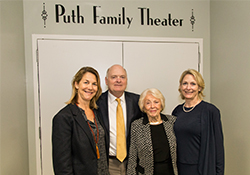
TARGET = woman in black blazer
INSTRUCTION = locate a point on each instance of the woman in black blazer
(78, 137)
(153, 144)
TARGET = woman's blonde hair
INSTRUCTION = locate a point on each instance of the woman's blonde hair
(77, 78)
(198, 78)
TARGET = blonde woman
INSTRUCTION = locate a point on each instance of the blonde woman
(198, 130)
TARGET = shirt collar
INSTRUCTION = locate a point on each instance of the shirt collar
(112, 98)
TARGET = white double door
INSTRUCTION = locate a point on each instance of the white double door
(150, 63)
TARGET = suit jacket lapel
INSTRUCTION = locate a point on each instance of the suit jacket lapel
(146, 136)
(83, 124)
(130, 110)
(103, 105)
(147, 133)
(171, 138)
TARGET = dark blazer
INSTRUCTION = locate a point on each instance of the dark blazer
(133, 112)
(211, 161)
(141, 158)
(74, 150)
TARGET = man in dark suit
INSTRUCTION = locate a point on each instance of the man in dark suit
(116, 80)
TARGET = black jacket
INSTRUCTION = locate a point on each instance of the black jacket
(74, 149)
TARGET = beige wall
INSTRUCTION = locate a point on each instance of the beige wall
(230, 79)
(13, 117)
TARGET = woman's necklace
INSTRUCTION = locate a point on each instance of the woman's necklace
(97, 130)
(96, 139)
(183, 107)
(187, 110)
(155, 123)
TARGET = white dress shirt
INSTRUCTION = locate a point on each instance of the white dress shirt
(112, 105)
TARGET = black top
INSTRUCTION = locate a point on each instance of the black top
(162, 158)
(188, 133)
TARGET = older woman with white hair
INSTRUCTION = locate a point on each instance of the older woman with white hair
(153, 143)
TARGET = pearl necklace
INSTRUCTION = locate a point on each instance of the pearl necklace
(155, 123)
(189, 109)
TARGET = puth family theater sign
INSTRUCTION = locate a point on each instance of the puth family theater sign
(76, 16)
